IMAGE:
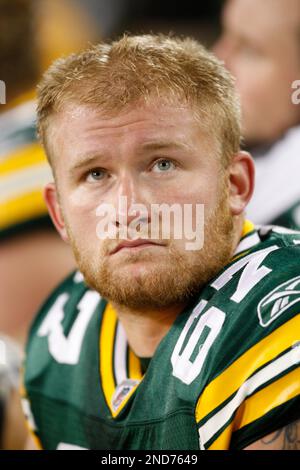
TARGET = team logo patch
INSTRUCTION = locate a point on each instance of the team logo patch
(278, 301)
(122, 392)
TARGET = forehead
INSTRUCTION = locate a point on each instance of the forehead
(80, 128)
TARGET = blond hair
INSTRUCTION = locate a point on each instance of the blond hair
(134, 68)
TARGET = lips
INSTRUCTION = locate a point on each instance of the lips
(133, 244)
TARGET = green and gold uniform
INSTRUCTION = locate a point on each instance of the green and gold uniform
(225, 375)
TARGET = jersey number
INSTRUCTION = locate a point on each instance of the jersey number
(195, 341)
(66, 349)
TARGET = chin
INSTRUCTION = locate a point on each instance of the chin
(139, 269)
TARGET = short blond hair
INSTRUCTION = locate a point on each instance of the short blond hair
(133, 68)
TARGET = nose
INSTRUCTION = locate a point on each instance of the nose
(129, 201)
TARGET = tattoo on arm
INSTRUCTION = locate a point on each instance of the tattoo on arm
(288, 437)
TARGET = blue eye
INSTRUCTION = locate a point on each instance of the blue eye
(95, 175)
(163, 166)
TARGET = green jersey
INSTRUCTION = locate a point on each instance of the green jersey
(225, 375)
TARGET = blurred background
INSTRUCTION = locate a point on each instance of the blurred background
(259, 42)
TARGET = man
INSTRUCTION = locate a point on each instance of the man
(260, 45)
(196, 346)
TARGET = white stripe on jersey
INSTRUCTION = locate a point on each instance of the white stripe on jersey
(216, 422)
(120, 362)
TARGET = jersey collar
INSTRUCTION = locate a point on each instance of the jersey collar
(249, 238)
(120, 369)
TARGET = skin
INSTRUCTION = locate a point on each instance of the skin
(287, 438)
(127, 168)
(260, 45)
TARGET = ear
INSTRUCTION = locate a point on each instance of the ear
(54, 209)
(241, 181)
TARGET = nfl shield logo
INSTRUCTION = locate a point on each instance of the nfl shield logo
(122, 391)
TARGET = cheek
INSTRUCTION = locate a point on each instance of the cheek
(198, 186)
(198, 200)
(80, 214)
(266, 83)
(256, 84)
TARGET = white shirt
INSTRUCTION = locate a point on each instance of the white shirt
(277, 182)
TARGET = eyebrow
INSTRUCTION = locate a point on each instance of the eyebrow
(85, 161)
(162, 144)
(89, 160)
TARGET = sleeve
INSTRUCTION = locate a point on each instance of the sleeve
(38, 381)
(255, 395)
(257, 390)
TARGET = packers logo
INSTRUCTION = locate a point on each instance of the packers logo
(278, 301)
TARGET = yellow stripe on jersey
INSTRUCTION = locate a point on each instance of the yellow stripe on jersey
(34, 437)
(240, 255)
(25, 207)
(25, 157)
(107, 345)
(223, 441)
(135, 371)
(229, 381)
(275, 394)
(21, 99)
(248, 227)
(107, 336)
(259, 404)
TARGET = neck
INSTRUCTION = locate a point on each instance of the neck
(146, 328)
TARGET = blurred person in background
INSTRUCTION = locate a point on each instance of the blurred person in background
(33, 259)
(64, 26)
(13, 432)
(260, 45)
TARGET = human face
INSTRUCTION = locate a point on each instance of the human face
(149, 154)
(260, 46)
